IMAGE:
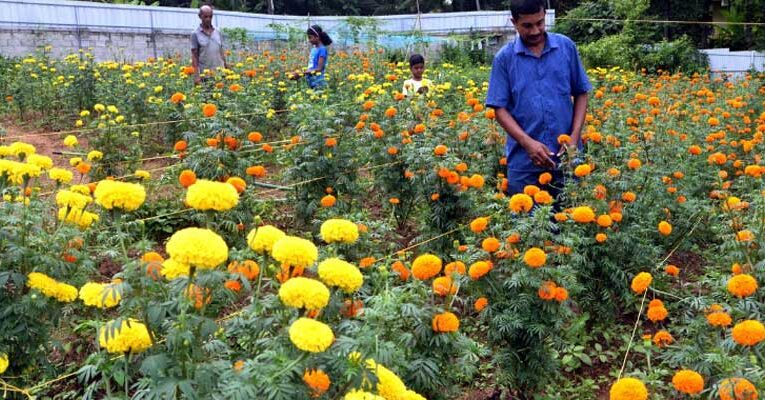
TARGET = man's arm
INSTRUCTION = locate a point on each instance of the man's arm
(195, 65)
(538, 152)
(580, 109)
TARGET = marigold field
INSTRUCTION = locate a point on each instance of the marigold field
(249, 238)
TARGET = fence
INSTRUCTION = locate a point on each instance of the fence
(734, 62)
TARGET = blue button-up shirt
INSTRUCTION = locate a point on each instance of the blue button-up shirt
(537, 92)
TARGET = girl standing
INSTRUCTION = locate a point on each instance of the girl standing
(317, 61)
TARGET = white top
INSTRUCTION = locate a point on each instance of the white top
(411, 86)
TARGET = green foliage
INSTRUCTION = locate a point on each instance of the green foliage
(237, 38)
(677, 55)
(589, 31)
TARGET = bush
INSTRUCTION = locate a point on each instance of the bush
(677, 55)
(614, 50)
(589, 31)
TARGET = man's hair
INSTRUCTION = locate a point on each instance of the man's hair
(415, 59)
(526, 7)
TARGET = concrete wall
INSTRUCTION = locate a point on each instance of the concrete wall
(104, 45)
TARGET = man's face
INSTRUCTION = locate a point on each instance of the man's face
(417, 70)
(206, 15)
(531, 27)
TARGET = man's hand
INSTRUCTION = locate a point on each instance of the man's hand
(539, 154)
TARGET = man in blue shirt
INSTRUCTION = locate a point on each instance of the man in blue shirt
(532, 82)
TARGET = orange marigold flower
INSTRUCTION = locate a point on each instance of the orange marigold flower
(317, 380)
(443, 286)
(744, 236)
(187, 178)
(543, 197)
(672, 270)
(665, 228)
(328, 201)
(601, 237)
(478, 269)
(401, 269)
(445, 322)
(233, 285)
(531, 190)
(480, 304)
(521, 202)
(479, 224)
(238, 183)
(490, 244)
(83, 167)
(719, 319)
(209, 110)
(629, 197)
(177, 97)
(247, 268)
(737, 389)
(561, 294)
(688, 382)
(641, 282)
(564, 139)
(426, 266)
(604, 220)
(180, 146)
(254, 136)
(583, 214)
(257, 171)
(394, 200)
(454, 267)
(440, 150)
(694, 149)
(662, 339)
(749, 332)
(628, 389)
(535, 257)
(657, 313)
(582, 170)
(419, 128)
(742, 285)
(390, 112)
(547, 290)
(545, 178)
(366, 262)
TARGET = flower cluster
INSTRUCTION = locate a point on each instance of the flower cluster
(130, 336)
(114, 194)
(342, 274)
(101, 295)
(206, 195)
(52, 288)
(311, 335)
(295, 251)
(305, 293)
(339, 231)
(198, 247)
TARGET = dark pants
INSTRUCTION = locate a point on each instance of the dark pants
(517, 180)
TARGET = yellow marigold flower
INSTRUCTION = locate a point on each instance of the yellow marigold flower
(81, 189)
(70, 141)
(74, 161)
(262, 239)
(112, 109)
(317, 380)
(295, 251)
(583, 214)
(426, 266)
(339, 231)
(20, 149)
(114, 194)
(172, 269)
(66, 198)
(101, 295)
(198, 247)
(143, 174)
(51, 288)
(361, 395)
(445, 322)
(737, 389)
(688, 382)
(5, 151)
(342, 274)
(521, 202)
(749, 332)
(60, 175)
(208, 195)
(389, 385)
(77, 216)
(535, 257)
(43, 162)
(130, 336)
(641, 282)
(742, 285)
(99, 107)
(95, 155)
(3, 362)
(311, 335)
(305, 293)
(628, 389)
